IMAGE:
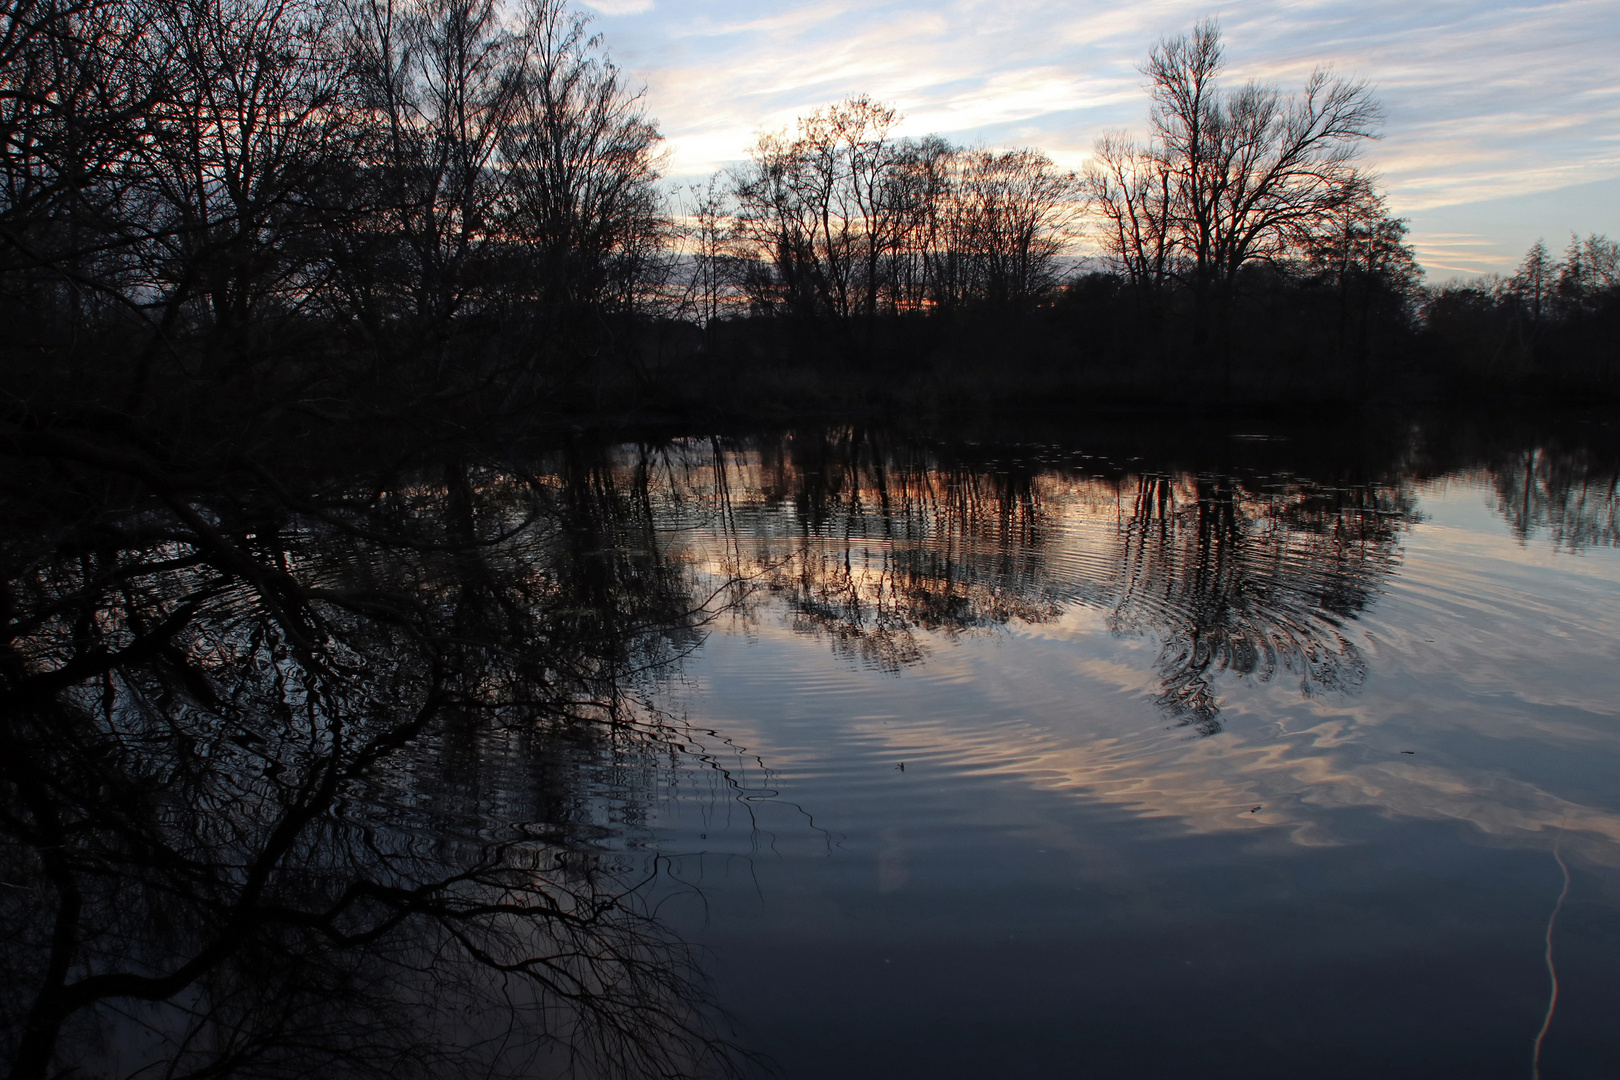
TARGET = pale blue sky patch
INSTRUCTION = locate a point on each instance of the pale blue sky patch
(1504, 120)
(1471, 238)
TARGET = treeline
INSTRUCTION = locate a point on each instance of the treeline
(1237, 251)
(459, 200)
(1556, 319)
(842, 220)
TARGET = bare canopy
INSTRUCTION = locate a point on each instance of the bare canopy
(1227, 177)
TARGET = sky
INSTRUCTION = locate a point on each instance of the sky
(1503, 119)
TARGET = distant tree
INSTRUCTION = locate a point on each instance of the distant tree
(1585, 298)
(923, 268)
(1590, 269)
(1016, 214)
(1365, 243)
(851, 222)
(581, 163)
(1228, 178)
(1533, 284)
(440, 84)
(1130, 189)
(778, 227)
(819, 207)
(858, 131)
(712, 278)
(1365, 259)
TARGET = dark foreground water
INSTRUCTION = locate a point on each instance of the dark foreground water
(870, 756)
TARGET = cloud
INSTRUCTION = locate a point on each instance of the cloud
(1485, 100)
(619, 7)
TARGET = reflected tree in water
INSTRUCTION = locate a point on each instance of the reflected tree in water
(886, 545)
(1573, 497)
(325, 783)
(876, 545)
(354, 778)
(1255, 583)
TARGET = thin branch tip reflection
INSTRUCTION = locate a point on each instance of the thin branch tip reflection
(294, 796)
(1552, 972)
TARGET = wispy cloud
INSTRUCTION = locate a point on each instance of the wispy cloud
(619, 7)
(1484, 99)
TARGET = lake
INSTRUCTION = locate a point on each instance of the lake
(1245, 753)
(1051, 765)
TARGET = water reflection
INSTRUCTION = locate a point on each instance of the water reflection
(341, 783)
(1572, 497)
(1261, 595)
(875, 544)
(363, 778)
(872, 544)
(1251, 582)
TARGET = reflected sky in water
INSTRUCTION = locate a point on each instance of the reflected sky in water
(1232, 756)
(1050, 740)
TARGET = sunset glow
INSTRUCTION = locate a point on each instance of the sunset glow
(1504, 121)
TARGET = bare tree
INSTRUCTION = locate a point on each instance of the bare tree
(1534, 281)
(581, 162)
(851, 221)
(254, 110)
(78, 83)
(1228, 178)
(860, 128)
(1016, 215)
(784, 213)
(706, 236)
(920, 268)
(441, 84)
(1129, 187)
(819, 207)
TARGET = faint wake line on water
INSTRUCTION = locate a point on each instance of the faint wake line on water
(1552, 972)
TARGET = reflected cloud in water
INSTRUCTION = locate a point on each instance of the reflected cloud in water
(873, 545)
(1279, 612)
(373, 778)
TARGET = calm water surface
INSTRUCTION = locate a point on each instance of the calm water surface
(1053, 765)
(903, 757)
